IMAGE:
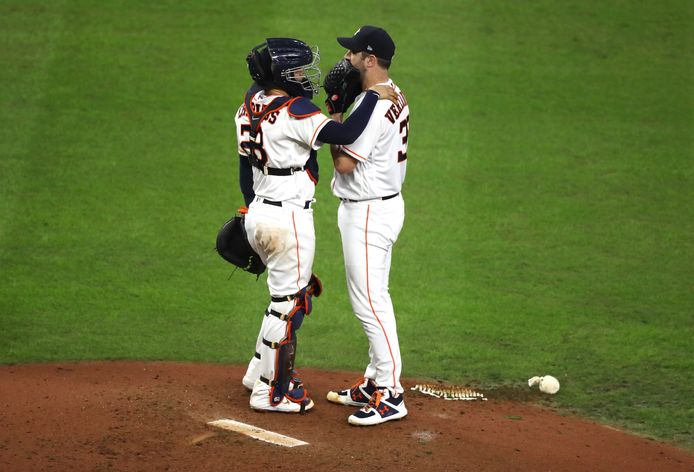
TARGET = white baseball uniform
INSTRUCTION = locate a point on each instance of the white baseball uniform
(279, 222)
(282, 235)
(370, 218)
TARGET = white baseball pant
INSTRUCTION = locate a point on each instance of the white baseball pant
(369, 229)
(284, 238)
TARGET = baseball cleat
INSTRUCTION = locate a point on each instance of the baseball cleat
(286, 406)
(382, 407)
(357, 395)
(294, 401)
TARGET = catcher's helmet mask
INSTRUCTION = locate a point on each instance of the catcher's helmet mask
(288, 64)
(232, 244)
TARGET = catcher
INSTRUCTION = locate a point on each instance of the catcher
(279, 131)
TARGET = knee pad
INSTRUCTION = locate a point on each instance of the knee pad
(291, 311)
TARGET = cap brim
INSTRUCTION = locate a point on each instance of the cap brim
(348, 43)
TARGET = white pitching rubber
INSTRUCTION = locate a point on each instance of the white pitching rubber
(257, 433)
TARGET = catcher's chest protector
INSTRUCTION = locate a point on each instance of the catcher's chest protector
(256, 118)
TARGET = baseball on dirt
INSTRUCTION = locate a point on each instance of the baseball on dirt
(549, 384)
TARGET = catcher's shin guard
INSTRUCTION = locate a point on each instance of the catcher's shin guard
(281, 350)
(286, 354)
(279, 342)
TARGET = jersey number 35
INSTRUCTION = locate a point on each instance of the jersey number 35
(404, 126)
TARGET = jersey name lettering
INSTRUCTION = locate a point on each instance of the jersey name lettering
(272, 117)
(396, 108)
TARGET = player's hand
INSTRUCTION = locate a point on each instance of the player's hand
(385, 92)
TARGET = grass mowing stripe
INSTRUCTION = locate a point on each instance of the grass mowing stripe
(25, 56)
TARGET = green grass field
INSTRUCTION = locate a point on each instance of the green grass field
(549, 192)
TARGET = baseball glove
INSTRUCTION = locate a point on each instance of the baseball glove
(342, 85)
(233, 246)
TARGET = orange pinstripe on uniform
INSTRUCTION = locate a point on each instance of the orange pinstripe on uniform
(353, 154)
(368, 291)
(298, 257)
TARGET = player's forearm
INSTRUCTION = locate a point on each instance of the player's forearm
(335, 148)
(347, 132)
(343, 163)
(246, 180)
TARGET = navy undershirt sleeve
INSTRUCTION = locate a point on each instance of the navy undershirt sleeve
(348, 132)
(246, 179)
(312, 164)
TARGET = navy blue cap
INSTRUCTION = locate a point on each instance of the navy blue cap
(370, 39)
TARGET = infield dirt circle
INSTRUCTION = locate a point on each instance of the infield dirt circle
(153, 416)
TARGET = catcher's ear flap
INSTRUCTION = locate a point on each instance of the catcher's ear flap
(259, 64)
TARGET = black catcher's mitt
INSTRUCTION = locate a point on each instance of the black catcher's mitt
(342, 85)
(233, 246)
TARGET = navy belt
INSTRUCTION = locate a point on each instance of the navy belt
(307, 205)
(369, 199)
(276, 171)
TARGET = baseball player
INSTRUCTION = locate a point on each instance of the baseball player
(279, 131)
(368, 178)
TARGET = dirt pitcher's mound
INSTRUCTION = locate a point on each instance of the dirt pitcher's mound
(153, 416)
